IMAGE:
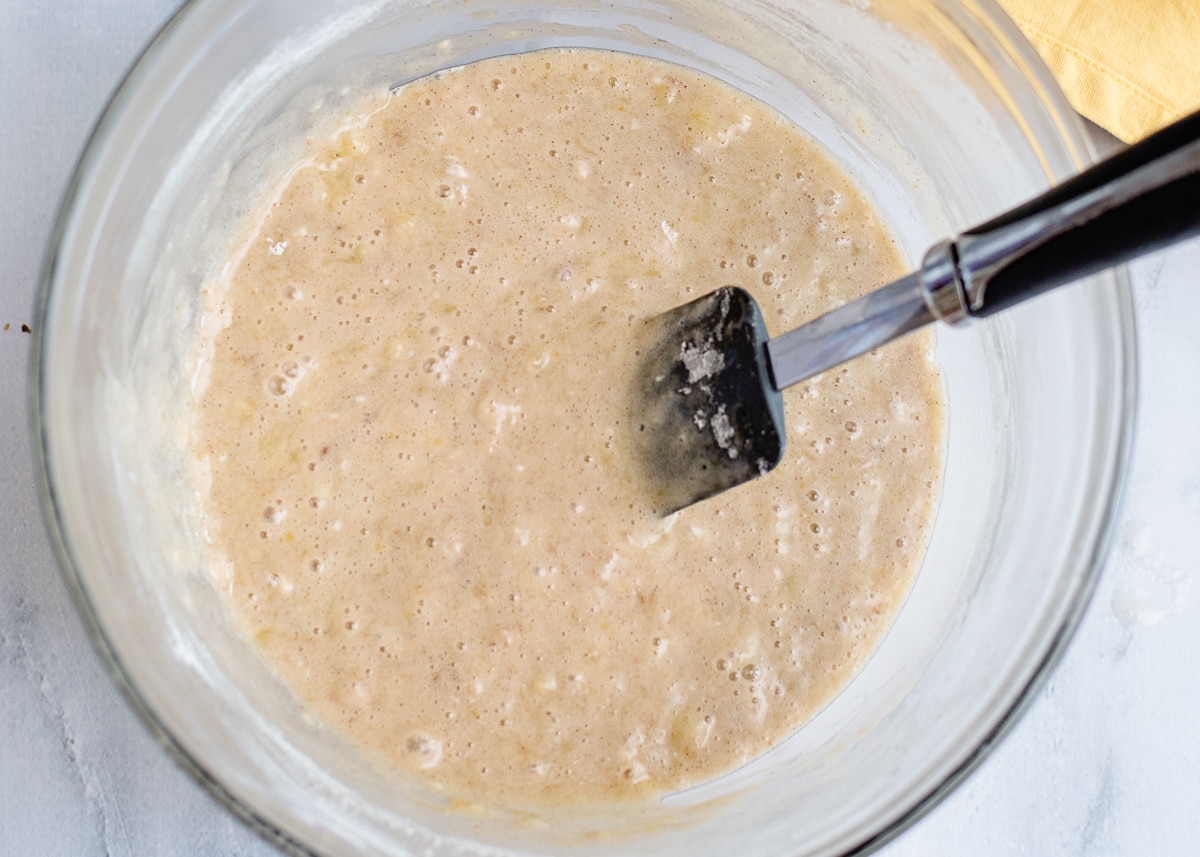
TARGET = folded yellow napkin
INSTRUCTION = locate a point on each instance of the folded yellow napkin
(1131, 66)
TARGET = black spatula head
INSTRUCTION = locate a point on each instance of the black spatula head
(707, 414)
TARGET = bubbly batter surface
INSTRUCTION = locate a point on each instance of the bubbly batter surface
(415, 437)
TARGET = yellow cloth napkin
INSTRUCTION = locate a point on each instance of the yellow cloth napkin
(1131, 66)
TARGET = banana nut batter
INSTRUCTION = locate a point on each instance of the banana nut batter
(415, 435)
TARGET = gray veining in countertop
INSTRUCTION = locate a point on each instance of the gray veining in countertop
(1104, 763)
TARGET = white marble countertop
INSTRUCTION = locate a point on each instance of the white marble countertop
(1105, 762)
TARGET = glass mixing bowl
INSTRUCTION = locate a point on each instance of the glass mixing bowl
(938, 109)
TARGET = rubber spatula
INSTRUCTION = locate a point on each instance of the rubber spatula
(708, 395)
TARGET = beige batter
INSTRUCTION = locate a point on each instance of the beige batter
(417, 434)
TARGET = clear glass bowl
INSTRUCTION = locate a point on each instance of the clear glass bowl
(940, 111)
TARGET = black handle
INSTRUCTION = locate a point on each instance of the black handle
(1139, 200)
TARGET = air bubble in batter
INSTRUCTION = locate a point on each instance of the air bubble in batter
(423, 749)
(277, 385)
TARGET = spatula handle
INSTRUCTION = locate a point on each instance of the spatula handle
(1139, 200)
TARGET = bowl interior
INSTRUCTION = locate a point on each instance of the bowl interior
(935, 108)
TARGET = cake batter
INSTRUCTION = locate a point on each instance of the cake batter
(415, 438)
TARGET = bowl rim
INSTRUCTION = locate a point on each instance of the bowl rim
(1016, 46)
